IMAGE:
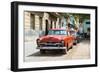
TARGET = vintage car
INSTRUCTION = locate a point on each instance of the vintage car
(57, 39)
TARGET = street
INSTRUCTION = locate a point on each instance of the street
(79, 51)
(56, 24)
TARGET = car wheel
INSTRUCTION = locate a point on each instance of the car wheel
(65, 50)
(75, 42)
(71, 47)
(42, 51)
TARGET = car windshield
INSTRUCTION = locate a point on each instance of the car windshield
(57, 32)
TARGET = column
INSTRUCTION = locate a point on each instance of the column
(27, 20)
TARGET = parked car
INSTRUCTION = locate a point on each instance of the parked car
(57, 39)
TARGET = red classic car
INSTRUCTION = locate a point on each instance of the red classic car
(57, 39)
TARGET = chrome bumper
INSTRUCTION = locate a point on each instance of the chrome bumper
(51, 47)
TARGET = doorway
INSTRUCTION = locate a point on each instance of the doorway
(46, 27)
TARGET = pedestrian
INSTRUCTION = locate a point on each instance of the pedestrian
(81, 31)
(68, 29)
(88, 33)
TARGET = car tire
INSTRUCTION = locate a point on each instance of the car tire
(75, 42)
(71, 47)
(65, 50)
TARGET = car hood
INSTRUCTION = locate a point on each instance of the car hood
(52, 38)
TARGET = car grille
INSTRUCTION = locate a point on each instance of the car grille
(51, 44)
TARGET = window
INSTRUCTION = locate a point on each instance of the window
(40, 19)
(33, 21)
(87, 22)
(57, 32)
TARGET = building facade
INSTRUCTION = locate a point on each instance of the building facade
(41, 21)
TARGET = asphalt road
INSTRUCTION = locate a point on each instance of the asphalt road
(79, 51)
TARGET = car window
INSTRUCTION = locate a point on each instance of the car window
(63, 32)
(57, 32)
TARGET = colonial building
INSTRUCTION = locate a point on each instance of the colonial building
(41, 21)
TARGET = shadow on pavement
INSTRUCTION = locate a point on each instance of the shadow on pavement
(48, 53)
(86, 41)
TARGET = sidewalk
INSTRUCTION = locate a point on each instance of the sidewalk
(30, 42)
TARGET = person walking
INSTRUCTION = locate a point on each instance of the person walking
(68, 29)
